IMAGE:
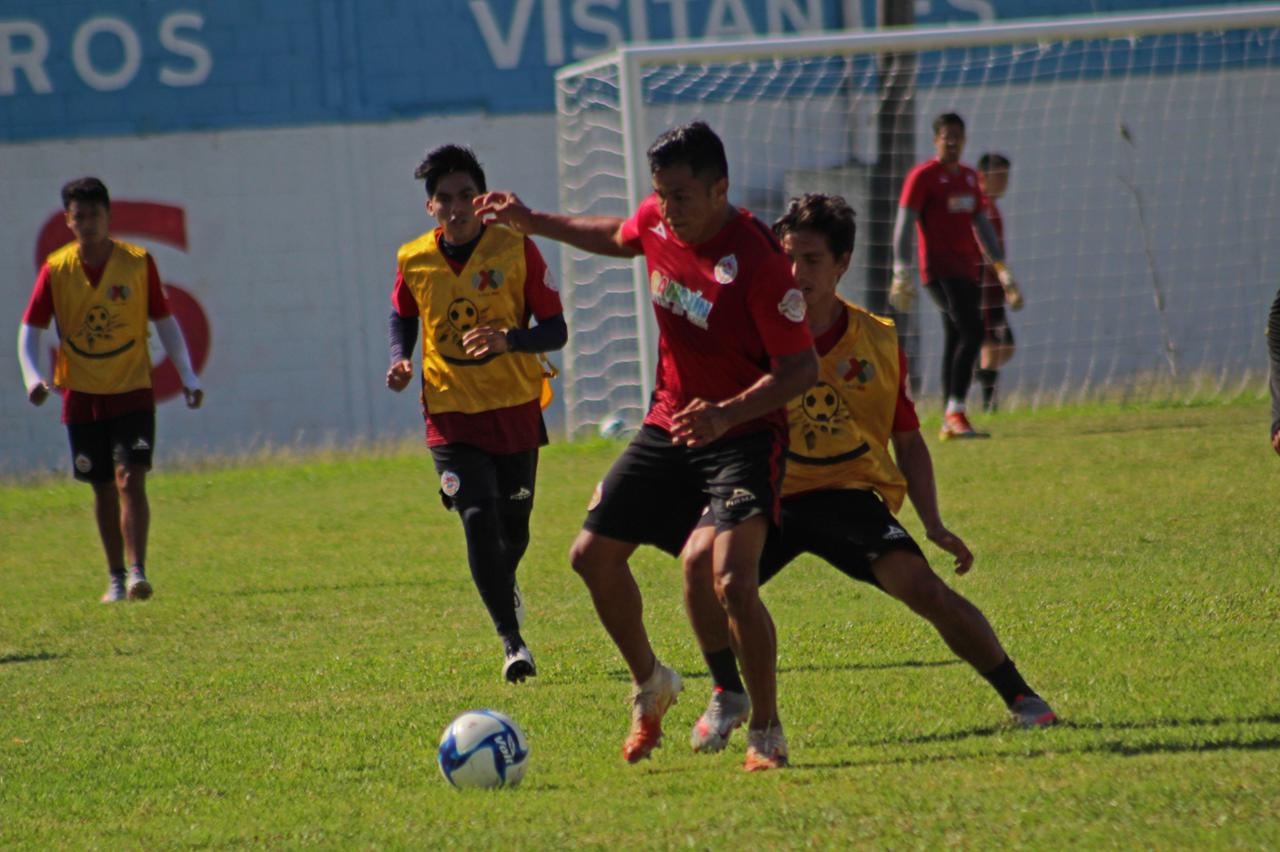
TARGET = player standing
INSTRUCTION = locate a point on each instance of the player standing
(733, 348)
(997, 340)
(842, 487)
(474, 289)
(941, 199)
(102, 292)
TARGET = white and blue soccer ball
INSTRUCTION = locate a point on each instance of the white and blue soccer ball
(613, 427)
(483, 748)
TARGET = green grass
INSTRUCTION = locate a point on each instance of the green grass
(315, 628)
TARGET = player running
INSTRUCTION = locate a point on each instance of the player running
(474, 289)
(942, 203)
(733, 348)
(102, 291)
(842, 486)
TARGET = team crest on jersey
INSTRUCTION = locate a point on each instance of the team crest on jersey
(860, 370)
(450, 483)
(96, 331)
(83, 464)
(118, 293)
(487, 280)
(726, 271)
(824, 414)
(792, 305)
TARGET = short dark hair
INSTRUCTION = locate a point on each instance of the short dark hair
(829, 215)
(446, 160)
(694, 145)
(952, 119)
(86, 190)
(992, 160)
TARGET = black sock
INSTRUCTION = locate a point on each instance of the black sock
(1008, 682)
(724, 670)
(987, 381)
(111, 572)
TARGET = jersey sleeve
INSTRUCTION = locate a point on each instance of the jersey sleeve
(157, 301)
(913, 191)
(634, 226)
(402, 298)
(778, 309)
(540, 293)
(39, 311)
(904, 412)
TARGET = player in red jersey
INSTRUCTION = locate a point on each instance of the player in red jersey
(843, 488)
(733, 348)
(997, 340)
(475, 289)
(942, 203)
(102, 292)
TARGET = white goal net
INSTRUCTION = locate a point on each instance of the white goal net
(1142, 217)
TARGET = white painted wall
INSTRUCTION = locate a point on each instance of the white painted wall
(292, 237)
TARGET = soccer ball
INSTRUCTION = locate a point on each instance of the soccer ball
(483, 748)
(613, 427)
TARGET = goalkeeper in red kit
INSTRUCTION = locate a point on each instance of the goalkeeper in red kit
(944, 206)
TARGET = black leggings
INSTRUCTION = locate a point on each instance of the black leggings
(493, 495)
(960, 301)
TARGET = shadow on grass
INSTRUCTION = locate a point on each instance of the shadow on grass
(37, 657)
(1059, 746)
(702, 674)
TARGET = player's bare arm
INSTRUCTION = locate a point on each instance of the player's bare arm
(701, 422)
(596, 234)
(916, 464)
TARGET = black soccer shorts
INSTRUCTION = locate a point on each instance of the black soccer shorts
(850, 529)
(97, 447)
(656, 490)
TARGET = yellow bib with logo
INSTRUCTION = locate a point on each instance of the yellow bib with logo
(841, 427)
(488, 291)
(103, 330)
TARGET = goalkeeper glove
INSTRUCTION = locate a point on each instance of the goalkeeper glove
(1012, 294)
(902, 293)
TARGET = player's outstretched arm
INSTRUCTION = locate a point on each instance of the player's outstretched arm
(912, 454)
(596, 234)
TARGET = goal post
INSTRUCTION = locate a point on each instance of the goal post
(1143, 200)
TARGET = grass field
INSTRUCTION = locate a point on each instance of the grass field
(314, 629)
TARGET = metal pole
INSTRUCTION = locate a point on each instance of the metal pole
(895, 137)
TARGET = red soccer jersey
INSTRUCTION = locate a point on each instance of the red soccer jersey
(725, 307)
(503, 430)
(945, 203)
(78, 406)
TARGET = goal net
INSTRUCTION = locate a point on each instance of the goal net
(1140, 215)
